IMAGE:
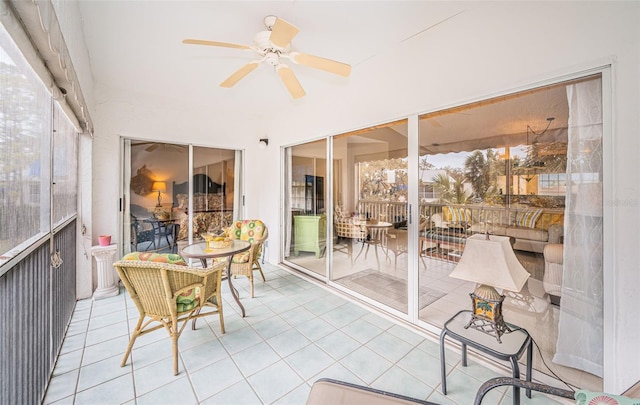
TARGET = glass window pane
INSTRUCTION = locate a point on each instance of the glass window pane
(370, 214)
(65, 164)
(213, 190)
(155, 170)
(305, 239)
(25, 128)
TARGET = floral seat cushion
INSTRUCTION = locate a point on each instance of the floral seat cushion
(249, 230)
(170, 258)
(185, 301)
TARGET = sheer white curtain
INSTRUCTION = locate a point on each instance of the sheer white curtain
(287, 201)
(580, 329)
(237, 187)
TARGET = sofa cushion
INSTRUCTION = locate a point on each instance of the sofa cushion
(459, 214)
(548, 219)
(494, 229)
(528, 218)
(519, 232)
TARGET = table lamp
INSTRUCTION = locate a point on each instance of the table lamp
(490, 262)
(160, 187)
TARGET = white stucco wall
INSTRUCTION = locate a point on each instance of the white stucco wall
(489, 49)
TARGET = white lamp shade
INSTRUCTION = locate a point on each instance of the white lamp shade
(159, 186)
(490, 262)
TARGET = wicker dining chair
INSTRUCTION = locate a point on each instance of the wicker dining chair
(168, 294)
(245, 263)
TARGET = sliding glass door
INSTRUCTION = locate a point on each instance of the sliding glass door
(526, 166)
(369, 254)
(176, 193)
(305, 216)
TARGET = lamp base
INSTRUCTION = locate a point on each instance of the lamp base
(487, 312)
(161, 213)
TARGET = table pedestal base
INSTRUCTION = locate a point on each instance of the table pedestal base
(107, 286)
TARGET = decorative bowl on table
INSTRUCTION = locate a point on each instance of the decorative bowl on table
(216, 241)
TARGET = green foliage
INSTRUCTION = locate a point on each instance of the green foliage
(384, 180)
(450, 186)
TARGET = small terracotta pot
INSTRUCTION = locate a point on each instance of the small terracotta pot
(104, 240)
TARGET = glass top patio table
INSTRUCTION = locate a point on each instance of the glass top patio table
(199, 251)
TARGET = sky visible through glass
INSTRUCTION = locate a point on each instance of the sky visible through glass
(456, 159)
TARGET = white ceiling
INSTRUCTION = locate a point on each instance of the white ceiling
(137, 45)
(135, 48)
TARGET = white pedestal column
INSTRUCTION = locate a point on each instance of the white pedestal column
(104, 259)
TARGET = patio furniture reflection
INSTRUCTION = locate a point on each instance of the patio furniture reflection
(346, 228)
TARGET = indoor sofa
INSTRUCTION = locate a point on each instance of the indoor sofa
(531, 228)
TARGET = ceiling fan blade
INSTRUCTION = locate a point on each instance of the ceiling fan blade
(289, 79)
(282, 33)
(325, 64)
(240, 74)
(434, 123)
(215, 43)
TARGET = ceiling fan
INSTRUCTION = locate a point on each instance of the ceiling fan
(165, 147)
(272, 46)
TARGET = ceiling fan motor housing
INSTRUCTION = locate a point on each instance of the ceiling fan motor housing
(264, 45)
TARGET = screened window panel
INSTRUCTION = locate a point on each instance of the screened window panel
(65, 173)
(25, 129)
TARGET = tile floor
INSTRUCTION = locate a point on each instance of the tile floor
(295, 332)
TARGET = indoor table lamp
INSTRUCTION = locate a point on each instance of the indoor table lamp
(490, 262)
(160, 187)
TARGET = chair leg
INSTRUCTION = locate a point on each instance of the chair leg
(251, 283)
(174, 346)
(259, 268)
(136, 332)
(221, 316)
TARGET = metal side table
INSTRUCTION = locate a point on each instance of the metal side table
(511, 349)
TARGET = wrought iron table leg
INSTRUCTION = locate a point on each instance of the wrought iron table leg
(234, 292)
(443, 364)
(515, 369)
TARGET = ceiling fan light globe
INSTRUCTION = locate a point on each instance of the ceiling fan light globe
(272, 58)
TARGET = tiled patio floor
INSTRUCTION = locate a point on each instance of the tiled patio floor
(294, 333)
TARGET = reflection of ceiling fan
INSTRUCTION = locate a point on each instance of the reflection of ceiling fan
(166, 147)
(272, 46)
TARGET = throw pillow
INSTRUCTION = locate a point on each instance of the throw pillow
(460, 214)
(584, 397)
(528, 218)
(446, 213)
(188, 300)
